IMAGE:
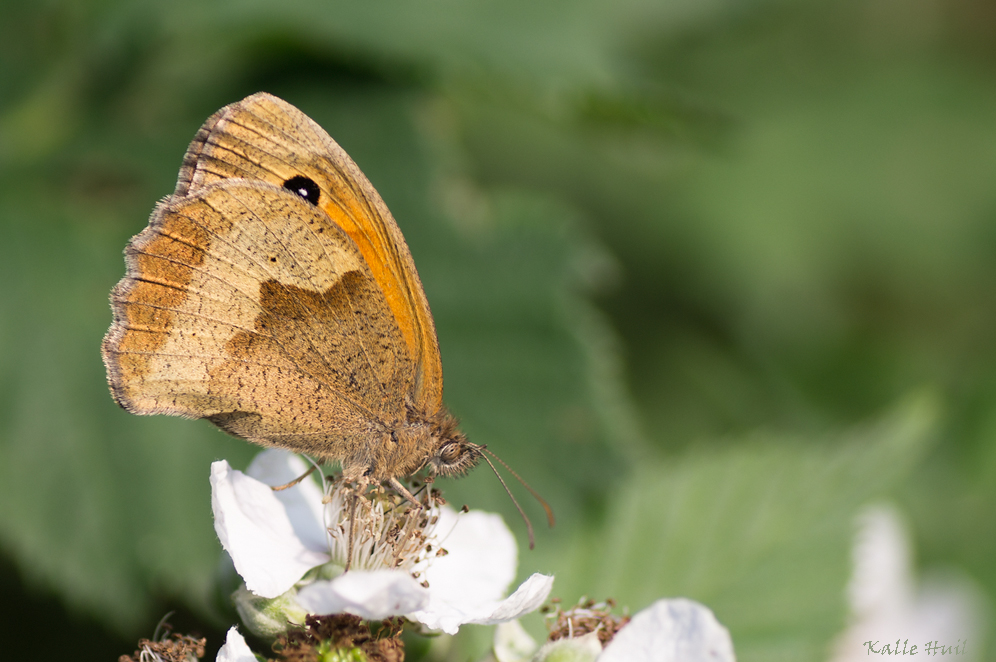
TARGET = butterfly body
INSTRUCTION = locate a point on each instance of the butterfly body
(274, 295)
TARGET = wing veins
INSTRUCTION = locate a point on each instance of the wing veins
(303, 328)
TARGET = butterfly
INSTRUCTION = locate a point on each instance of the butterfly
(273, 294)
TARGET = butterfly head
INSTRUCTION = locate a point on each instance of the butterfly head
(454, 456)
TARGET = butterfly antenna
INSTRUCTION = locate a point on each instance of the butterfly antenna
(546, 506)
(529, 525)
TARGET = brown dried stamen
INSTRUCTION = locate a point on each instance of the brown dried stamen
(584, 618)
(379, 642)
(168, 648)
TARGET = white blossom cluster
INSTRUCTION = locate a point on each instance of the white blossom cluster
(435, 567)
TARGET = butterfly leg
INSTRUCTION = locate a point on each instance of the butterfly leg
(352, 526)
(278, 488)
(403, 491)
(359, 489)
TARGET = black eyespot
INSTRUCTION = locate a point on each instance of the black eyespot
(304, 187)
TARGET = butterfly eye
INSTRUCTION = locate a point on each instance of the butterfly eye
(304, 187)
(450, 454)
(454, 458)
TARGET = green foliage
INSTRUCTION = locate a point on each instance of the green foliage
(760, 531)
(679, 255)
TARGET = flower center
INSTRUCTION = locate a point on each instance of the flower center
(387, 531)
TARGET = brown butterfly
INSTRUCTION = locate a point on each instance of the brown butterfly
(274, 295)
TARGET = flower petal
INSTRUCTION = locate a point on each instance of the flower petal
(529, 597)
(373, 595)
(512, 643)
(678, 630)
(448, 616)
(256, 531)
(481, 559)
(235, 649)
(303, 502)
(467, 584)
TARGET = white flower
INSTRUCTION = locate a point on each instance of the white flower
(892, 611)
(677, 630)
(235, 649)
(273, 539)
(289, 545)
(512, 643)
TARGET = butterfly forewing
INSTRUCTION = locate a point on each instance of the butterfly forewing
(263, 138)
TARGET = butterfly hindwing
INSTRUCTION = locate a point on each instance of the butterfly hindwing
(244, 305)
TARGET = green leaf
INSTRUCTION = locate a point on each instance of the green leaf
(759, 532)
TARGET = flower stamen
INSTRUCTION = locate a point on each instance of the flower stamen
(379, 529)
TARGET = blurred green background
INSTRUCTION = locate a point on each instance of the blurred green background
(711, 275)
